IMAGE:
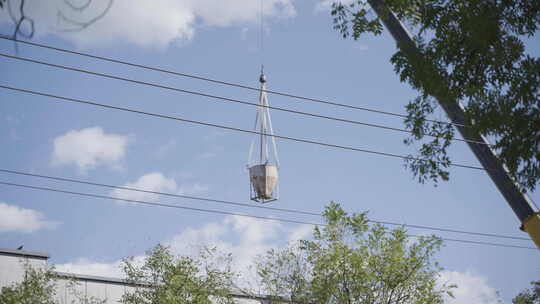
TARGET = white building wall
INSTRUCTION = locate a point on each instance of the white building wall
(12, 265)
(109, 289)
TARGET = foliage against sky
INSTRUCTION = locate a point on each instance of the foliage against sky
(165, 278)
(476, 55)
(529, 296)
(348, 261)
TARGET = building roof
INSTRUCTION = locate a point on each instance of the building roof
(24, 253)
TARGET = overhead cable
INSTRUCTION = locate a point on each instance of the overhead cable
(227, 83)
(167, 205)
(221, 98)
(324, 144)
(155, 203)
(295, 211)
(159, 193)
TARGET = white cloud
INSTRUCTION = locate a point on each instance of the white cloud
(226, 13)
(17, 219)
(151, 24)
(88, 148)
(300, 233)
(156, 182)
(245, 238)
(471, 288)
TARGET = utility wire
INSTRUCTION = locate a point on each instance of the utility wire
(221, 98)
(159, 193)
(155, 203)
(262, 34)
(324, 144)
(250, 205)
(161, 70)
(167, 205)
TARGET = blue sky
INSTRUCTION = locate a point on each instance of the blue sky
(302, 55)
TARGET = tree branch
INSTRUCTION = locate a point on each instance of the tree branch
(81, 25)
(79, 8)
(20, 20)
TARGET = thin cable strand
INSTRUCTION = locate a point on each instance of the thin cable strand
(262, 35)
(161, 70)
(296, 211)
(221, 98)
(159, 193)
(167, 205)
(324, 144)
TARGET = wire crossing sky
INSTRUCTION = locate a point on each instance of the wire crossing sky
(223, 98)
(160, 204)
(76, 100)
(348, 106)
(257, 206)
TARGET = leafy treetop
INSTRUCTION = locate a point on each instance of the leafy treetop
(476, 55)
(529, 296)
(349, 262)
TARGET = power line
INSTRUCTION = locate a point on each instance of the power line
(159, 204)
(160, 193)
(221, 98)
(161, 70)
(485, 243)
(251, 205)
(324, 144)
(156, 203)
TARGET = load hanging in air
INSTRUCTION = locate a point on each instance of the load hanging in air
(263, 163)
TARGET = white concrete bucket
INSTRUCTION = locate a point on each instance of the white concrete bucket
(264, 179)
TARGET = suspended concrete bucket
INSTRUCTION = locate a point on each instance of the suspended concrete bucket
(264, 180)
(263, 172)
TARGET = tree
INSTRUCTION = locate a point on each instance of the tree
(529, 296)
(39, 287)
(347, 261)
(17, 13)
(476, 55)
(165, 279)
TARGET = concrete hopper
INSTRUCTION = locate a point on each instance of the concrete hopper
(263, 172)
(264, 179)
